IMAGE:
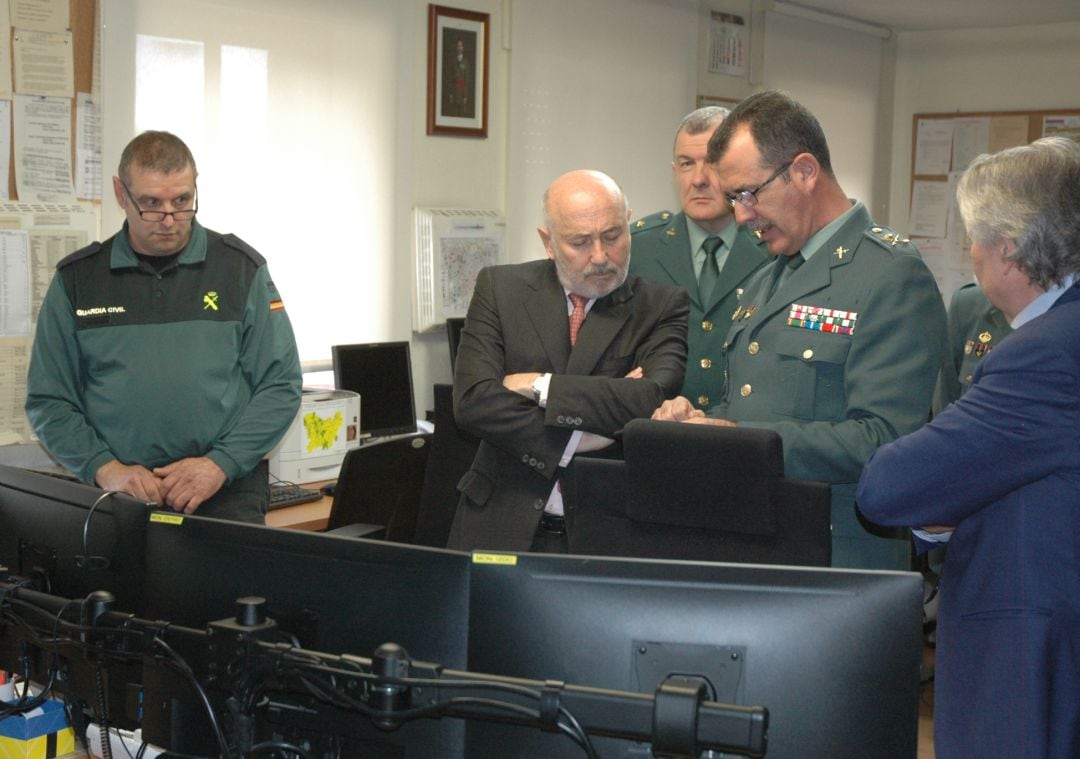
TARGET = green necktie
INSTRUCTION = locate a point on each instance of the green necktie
(784, 267)
(710, 271)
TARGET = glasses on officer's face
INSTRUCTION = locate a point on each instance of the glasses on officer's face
(178, 214)
(748, 198)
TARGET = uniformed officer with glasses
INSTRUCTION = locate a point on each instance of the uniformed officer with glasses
(164, 365)
(836, 344)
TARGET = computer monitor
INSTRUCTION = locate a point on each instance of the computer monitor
(333, 594)
(833, 655)
(382, 374)
(48, 534)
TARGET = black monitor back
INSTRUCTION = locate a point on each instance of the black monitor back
(336, 595)
(380, 483)
(382, 374)
(42, 523)
(834, 655)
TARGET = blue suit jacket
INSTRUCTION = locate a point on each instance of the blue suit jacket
(1002, 464)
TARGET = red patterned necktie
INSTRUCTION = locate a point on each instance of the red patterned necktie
(578, 316)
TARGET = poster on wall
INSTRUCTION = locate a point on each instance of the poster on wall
(451, 245)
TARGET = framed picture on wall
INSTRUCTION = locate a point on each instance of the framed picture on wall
(457, 72)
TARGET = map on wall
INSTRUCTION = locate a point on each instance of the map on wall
(451, 246)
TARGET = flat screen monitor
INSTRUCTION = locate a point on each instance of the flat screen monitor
(333, 594)
(382, 374)
(832, 654)
(47, 534)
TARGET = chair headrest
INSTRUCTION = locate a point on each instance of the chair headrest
(704, 476)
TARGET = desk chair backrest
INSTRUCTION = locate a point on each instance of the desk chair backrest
(379, 483)
(698, 493)
(452, 453)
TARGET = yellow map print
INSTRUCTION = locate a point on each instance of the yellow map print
(322, 431)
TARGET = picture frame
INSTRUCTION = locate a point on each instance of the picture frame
(457, 72)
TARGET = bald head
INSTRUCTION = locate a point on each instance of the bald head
(586, 232)
(568, 189)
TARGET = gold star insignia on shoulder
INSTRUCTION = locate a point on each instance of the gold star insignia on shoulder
(841, 252)
(639, 223)
(670, 232)
(665, 216)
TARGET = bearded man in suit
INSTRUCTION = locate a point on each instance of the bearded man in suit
(555, 357)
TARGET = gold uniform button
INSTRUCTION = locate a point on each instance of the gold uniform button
(753, 348)
(745, 391)
(707, 325)
(706, 363)
(808, 354)
(702, 401)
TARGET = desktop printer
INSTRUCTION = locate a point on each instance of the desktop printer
(326, 426)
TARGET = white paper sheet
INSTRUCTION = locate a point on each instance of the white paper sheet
(43, 149)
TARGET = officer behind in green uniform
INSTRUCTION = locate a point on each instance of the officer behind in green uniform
(836, 345)
(975, 327)
(163, 364)
(701, 249)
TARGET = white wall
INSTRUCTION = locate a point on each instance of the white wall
(1019, 68)
(835, 73)
(598, 85)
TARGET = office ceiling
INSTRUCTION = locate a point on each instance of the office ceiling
(917, 15)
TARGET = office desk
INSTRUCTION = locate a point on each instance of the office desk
(312, 516)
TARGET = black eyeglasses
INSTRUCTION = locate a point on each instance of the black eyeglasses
(183, 214)
(748, 198)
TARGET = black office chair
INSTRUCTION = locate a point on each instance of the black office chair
(452, 453)
(379, 485)
(454, 325)
(699, 493)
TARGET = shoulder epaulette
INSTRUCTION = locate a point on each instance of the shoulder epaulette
(78, 255)
(652, 221)
(236, 243)
(891, 240)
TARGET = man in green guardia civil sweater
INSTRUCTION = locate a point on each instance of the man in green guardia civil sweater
(164, 365)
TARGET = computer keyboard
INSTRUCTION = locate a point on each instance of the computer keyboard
(287, 494)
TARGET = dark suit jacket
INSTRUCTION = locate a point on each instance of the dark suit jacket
(661, 253)
(1002, 464)
(517, 322)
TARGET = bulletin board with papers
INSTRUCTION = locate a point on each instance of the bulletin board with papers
(50, 147)
(942, 146)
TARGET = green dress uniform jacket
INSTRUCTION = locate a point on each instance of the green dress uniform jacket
(661, 252)
(975, 327)
(148, 367)
(841, 359)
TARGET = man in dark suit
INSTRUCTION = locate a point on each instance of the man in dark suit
(702, 249)
(555, 357)
(1000, 466)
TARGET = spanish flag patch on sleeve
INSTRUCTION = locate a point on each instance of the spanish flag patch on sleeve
(277, 305)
